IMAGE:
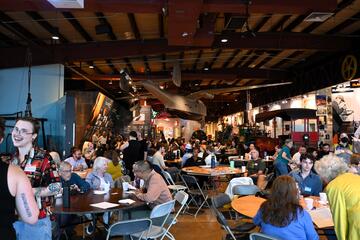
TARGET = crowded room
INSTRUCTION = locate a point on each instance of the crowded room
(187, 120)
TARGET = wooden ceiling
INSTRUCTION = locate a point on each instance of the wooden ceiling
(148, 36)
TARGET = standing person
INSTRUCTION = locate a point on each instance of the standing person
(102, 139)
(283, 158)
(131, 153)
(95, 138)
(76, 160)
(343, 193)
(16, 194)
(282, 216)
(309, 183)
(42, 172)
(143, 148)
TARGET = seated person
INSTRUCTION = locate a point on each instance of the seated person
(114, 167)
(355, 163)
(255, 166)
(154, 192)
(158, 157)
(282, 216)
(211, 153)
(76, 184)
(76, 160)
(295, 160)
(188, 157)
(99, 179)
(309, 182)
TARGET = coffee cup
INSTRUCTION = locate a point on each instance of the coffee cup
(309, 202)
(125, 186)
(243, 168)
(323, 197)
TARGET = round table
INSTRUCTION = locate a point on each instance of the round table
(249, 205)
(80, 203)
(206, 170)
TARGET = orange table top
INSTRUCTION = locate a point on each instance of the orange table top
(249, 205)
(208, 171)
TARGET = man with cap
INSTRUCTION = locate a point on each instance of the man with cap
(131, 153)
(344, 148)
(188, 156)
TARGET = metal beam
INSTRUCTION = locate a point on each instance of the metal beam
(155, 6)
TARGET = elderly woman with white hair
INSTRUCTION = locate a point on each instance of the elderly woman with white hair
(99, 179)
(343, 191)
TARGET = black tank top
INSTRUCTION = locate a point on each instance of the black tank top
(7, 205)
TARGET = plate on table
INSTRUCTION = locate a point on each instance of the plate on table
(98, 192)
(205, 166)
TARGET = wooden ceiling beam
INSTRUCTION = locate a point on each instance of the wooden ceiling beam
(126, 48)
(155, 6)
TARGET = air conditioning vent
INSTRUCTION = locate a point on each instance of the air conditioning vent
(318, 16)
(67, 3)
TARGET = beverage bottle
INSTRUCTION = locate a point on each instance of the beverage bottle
(212, 161)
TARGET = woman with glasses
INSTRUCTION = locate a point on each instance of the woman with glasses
(16, 194)
(282, 216)
(42, 172)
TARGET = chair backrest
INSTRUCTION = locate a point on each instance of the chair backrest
(168, 178)
(261, 236)
(220, 200)
(162, 210)
(125, 228)
(190, 181)
(244, 190)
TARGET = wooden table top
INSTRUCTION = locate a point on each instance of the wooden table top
(208, 171)
(83, 173)
(177, 160)
(249, 205)
(80, 203)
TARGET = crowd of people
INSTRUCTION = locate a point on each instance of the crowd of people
(32, 177)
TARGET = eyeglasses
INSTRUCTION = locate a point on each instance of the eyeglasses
(21, 131)
(65, 171)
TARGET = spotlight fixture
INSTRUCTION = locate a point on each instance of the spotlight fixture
(91, 66)
(206, 66)
(110, 82)
(224, 40)
(55, 33)
(54, 37)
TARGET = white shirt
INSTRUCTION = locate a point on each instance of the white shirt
(208, 159)
(158, 159)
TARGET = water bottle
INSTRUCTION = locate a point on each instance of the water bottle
(66, 197)
(212, 161)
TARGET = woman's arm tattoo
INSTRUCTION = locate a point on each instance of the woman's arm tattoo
(26, 205)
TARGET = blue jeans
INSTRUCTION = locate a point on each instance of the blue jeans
(39, 231)
(280, 168)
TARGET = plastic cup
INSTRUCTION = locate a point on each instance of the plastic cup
(243, 168)
(323, 197)
(125, 186)
(232, 164)
(309, 202)
(241, 157)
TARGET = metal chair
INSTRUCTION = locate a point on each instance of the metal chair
(194, 190)
(261, 236)
(181, 197)
(159, 211)
(219, 201)
(128, 228)
(244, 190)
(171, 184)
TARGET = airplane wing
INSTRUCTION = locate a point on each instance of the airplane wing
(214, 91)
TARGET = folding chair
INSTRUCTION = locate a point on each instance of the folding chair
(127, 228)
(261, 236)
(161, 210)
(219, 201)
(194, 190)
(181, 197)
(244, 190)
(171, 184)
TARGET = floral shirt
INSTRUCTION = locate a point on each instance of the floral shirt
(41, 171)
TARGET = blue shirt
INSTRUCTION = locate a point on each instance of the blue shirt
(300, 229)
(76, 179)
(286, 150)
(76, 163)
(311, 185)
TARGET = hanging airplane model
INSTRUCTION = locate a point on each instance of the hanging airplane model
(191, 107)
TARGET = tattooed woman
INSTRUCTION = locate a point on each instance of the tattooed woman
(42, 173)
(16, 193)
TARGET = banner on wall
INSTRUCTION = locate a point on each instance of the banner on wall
(345, 105)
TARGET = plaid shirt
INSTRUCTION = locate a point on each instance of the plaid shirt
(41, 171)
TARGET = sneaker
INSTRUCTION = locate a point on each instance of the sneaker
(90, 228)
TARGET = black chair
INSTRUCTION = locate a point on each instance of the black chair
(236, 232)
